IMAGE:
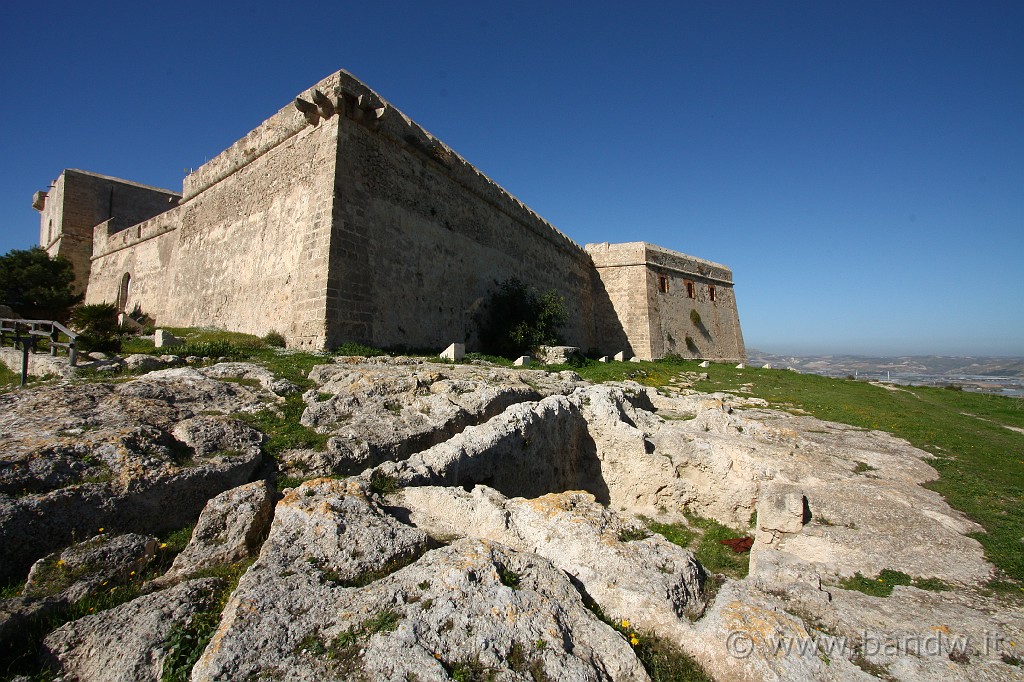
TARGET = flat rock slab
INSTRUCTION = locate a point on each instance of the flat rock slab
(385, 409)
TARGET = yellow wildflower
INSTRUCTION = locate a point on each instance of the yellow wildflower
(163, 545)
(633, 640)
(132, 573)
(101, 530)
(625, 623)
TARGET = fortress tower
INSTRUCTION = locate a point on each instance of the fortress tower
(340, 219)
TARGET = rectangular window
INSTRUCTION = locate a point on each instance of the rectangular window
(712, 294)
(663, 284)
(689, 289)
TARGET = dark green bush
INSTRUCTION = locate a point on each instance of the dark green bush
(695, 317)
(517, 319)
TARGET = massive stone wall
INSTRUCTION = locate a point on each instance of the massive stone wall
(133, 267)
(346, 221)
(421, 238)
(655, 293)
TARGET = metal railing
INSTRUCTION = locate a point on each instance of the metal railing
(26, 335)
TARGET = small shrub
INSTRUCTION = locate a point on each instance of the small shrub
(631, 534)
(862, 468)
(508, 577)
(97, 327)
(880, 586)
(383, 484)
(516, 319)
(352, 348)
(274, 339)
(691, 345)
(695, 317)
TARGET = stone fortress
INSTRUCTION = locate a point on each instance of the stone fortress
(340, 219)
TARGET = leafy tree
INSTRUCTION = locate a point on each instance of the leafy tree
(36, 286)
(516, 319)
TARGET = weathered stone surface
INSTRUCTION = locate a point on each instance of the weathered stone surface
(560, 355)
(293, 616)
(382, 409)
(456, 351)
(230, 528)
(128, 642)
(77, 458)
(142, 362)
(780, 508)
(579, 536)
(90, 566)
(165, 339)
(250, 372)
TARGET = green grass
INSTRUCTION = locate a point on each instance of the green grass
(980, 462)
(702, 535)
(285, 432)
(882, 584)
(187, 641)
(712, 554)
(676, 533)
(662, 658)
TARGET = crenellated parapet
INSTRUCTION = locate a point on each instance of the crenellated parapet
(107, 238)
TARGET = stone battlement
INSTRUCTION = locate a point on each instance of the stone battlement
(107, 238)
(642, 253)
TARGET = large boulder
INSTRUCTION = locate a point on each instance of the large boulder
(341, 588)
(230, 528)
(130, 641)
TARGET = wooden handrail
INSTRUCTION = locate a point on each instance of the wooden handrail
(50, 329)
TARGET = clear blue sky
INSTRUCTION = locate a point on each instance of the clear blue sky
(859, 165)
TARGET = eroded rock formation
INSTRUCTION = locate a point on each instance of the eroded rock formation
(484, 522)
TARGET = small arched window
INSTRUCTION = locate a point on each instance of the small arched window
(122, 293)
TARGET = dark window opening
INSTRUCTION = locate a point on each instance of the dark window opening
(712, 294)
(689, 289)
(663, 284)
(123, 291)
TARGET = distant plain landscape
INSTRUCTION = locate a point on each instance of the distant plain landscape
(996, 375)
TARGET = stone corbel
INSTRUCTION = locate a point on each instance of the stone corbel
(308, 110)
(323, 103)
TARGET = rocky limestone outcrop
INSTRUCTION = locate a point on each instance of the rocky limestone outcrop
(383, 409)
(342, 589)
(130, 641)
(581, 537)
(138, 456)
(476, 554)
(231, 527)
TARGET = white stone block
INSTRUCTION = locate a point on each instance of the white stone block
(164, 339)
(603, 358)
(456, 351)
(766, 365)
(620, 356)
(741, 366)
(522, 361)
(634, 359)
(705, 364)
